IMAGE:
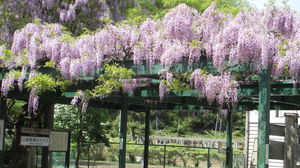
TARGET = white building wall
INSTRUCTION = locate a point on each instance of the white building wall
(275, 118)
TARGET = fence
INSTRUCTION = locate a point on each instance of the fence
(160, 156)
(199, 142)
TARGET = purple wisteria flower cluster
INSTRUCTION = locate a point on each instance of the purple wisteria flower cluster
(80, 99)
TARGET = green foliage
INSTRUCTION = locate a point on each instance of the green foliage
(106, 20)
(200, 5)
(63, 84)
(232, 6)
(50, 64)
(137, 13)
(25, 60)
(143, 9)
(134, 16)
(111, 80)
(42, 83)
(16, 110)
(177, 123)
(45, 82)
(6, 55)
(195, 44)
(14, 73)
(93, 123)
(282, 46)
(37, 21)
(239, 120)
(67, 37)
(175, 156)
(270, 3)
(177, 85)
(115, 124)
(135, 125)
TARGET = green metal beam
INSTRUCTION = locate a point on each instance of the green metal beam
(229, 153)
(123, 134)
(263, 118)
(250, 89)
(48, 110)
(135, 103)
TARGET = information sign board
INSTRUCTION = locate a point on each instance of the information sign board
(34, 141)
(59, 141)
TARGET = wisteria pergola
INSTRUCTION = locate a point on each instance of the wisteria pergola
(234, 62)
(261, 93)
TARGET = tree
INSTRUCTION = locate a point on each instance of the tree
(143, 9)
(86, 127)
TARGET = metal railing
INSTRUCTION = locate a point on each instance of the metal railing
(160, 156)
(172, 155)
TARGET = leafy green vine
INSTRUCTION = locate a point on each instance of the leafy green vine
(111, 80)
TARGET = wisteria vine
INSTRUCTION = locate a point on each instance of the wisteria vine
(262, 39)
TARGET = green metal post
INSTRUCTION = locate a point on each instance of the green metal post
(208, 158)
(263, 118)
(165, 146)
(3, 109)
(295, 89)
(229, 154)
(147, 132)
(89, 155)
(67, 158)
(123, 133)
(48, 109)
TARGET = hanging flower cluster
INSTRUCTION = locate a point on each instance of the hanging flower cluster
(81, 99)
(7, 83)
(33, 102)
(221, 88)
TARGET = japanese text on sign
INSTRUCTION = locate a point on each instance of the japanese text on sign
(34, 141)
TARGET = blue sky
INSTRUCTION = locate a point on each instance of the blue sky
(294, 4)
